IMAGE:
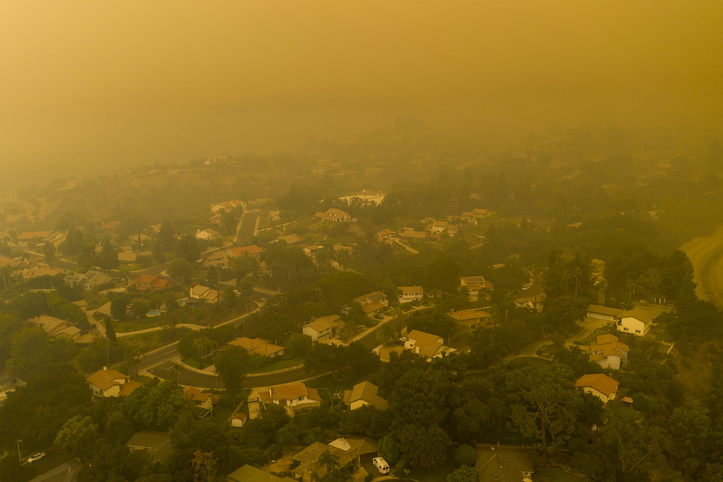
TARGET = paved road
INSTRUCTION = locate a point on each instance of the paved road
(201, 380)
(247, 229)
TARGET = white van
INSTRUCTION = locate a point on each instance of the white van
(381, 465)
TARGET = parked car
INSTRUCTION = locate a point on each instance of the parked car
(381, 465)
(35, 457)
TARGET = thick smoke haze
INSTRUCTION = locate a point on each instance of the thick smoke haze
(87, 86)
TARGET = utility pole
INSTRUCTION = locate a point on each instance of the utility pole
(20, 459)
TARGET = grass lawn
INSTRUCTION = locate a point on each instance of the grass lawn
(221, 415)
(154, 339)
(140, 324)
(549, 351)
(556, 475)
(279, 365)
(437, 475)
(194, 362)
(303, 422)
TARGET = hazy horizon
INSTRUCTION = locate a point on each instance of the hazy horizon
(88, 87)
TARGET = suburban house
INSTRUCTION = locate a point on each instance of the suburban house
(323, 328)
(226, 205)
(215, 259)
(500, 464)
(238, 419)
(30, 235)
(201, 400)
(157, 444)
(475, 284)
(468, 320)
(249, 473)
(89, 280)
(291, 239)
(600, 312)
(609, 352)
(659, 298)
(334, 215)
(55, 327)
(259, 345)
(410, 293)
(531, 302)
(384, 234)
(414, 235)
(312, 250)
(362, 394)
(208, 234)
(110, 225)
(200, 292)
(346, 450)
(126, 257)
(111, 383)
(637, 321)
(251, 250)
(295, 396)
(600, 385)
(149, 283)
(373, 302)
(425, 344)
(437, 227)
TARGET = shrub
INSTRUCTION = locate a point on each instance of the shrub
(465, 455)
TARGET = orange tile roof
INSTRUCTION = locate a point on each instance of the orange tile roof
(104, 379)
(600, 382)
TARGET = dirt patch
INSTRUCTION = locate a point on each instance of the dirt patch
(704, 253)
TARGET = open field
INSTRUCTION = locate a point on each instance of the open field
(706, 254)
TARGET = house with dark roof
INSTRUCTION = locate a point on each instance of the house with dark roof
(600, 312)
(475, 284)
(498, 464)
(157, 444)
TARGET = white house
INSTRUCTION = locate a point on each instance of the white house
(111, 383)
(475, 284)
(638, 322)
(323, 328)
(609, 352)
(410, 293)
(334, 215)
(295, 395)
(600, 385)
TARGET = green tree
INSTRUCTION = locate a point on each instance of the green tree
(155, 408)
(463, 474)
(182, 269)
(135, 225)
(386, 334)
(689, 428)
(188, 248)
(232, 366)
(465, 455)
(35, 413)
(110, 330)
(423, 446)
(49, 252)
(389, 449)
(118, 308)
(78, 437)
(108, 258)
(288, 435)
(546, 398)
(29, 354)
(298, 344)
(176, 370)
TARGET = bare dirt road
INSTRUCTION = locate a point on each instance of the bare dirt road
(706, 254)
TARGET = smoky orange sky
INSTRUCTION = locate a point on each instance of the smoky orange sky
(86, 86)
